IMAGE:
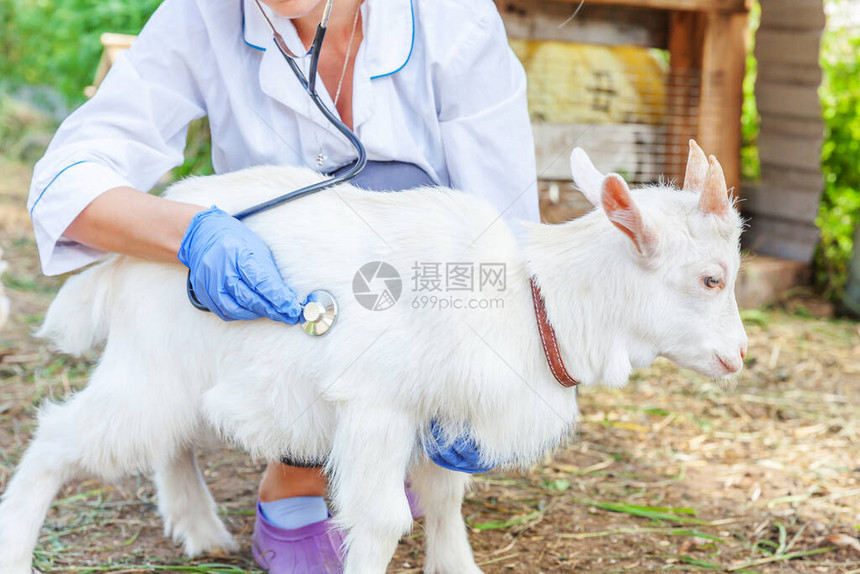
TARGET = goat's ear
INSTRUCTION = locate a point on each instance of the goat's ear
(623, 213)
(715, 195)
(697, 168)
(585, 176)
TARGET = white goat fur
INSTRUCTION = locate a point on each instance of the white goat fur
(363, 395)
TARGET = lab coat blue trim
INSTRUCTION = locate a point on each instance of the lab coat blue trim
(247, 43)
(411, 46)
(52, 182)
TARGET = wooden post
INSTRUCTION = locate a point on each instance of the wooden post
(783, 207)
(721, 102)
(686, 38)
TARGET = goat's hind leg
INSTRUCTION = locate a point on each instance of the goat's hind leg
(50, 461)
(114, 426)
(440, 495)
(187, 507)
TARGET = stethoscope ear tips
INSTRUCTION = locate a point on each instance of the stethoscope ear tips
(319, 313)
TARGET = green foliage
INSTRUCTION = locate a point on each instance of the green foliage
(56, 42)
(198, 151)
(750, 119)
(840, 158)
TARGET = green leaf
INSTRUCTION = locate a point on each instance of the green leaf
(652, 512)
(502, 524)
(559, 484)
(702, 563)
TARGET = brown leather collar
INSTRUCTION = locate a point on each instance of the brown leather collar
(550, 343)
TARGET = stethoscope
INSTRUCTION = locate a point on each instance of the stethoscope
(319, 311)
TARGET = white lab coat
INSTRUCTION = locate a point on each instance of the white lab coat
(435, 84)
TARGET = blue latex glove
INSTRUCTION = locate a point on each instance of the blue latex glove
(461, 456)
(233, 272)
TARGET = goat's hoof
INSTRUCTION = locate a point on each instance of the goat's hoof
(450, 569)
(222, 552)
(207, 539)
(219, 549)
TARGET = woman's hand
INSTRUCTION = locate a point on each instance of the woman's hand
(460, 455)
(233, 272)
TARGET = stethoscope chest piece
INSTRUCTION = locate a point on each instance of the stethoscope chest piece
(319, 313)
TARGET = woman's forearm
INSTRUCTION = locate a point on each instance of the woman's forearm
(124, 220)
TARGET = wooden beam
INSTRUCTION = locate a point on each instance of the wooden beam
(784, 209)
(792, 15)
(781, 176)
(685, 5)
(809, 75)
(792, 47)
(721, 102)
(793, 100)
(788, 204)
(686, 39)
(761, 280)
(781, 238)
(600, 25)
(790, 151)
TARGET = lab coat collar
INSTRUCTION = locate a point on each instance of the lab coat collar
(389, 33)
(391, 37)
(276, 79)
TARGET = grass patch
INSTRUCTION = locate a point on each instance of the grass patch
(656, 513)
(502, 524)
(26, 284)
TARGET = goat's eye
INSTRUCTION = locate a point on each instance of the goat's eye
(713, 282)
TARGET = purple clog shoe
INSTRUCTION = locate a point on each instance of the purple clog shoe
(414, 501)
(312, 549)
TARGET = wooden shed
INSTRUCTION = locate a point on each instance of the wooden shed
(697, 91)
(701, 45)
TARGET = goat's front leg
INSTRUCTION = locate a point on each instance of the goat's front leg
(370, 453)
(440, 495)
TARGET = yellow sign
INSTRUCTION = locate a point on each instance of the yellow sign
(584, 83)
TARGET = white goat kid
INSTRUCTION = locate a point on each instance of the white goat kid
(362, 396)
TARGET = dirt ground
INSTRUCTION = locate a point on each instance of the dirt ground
(673, 472)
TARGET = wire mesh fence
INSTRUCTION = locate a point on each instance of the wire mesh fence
(623, 104)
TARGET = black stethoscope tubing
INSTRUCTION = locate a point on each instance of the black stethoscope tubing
(310, 88)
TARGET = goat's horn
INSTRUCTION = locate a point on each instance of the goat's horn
(715, 194)
(697, 168)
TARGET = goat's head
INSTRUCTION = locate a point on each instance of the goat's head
(680, 262)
